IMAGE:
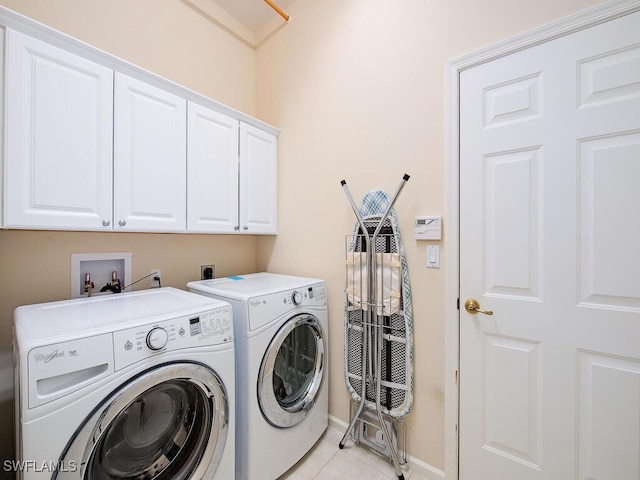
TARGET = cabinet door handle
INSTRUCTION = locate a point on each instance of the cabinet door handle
(122, 223)
(106, 223)
(236, 228)
(246, 227)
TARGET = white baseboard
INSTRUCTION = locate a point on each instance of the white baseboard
(413, 464)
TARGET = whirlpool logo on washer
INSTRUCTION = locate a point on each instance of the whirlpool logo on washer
(256, 303)
(47, 357)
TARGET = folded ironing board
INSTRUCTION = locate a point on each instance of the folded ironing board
(390, 303)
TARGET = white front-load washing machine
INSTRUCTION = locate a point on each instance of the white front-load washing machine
(135, 385)
(281, 330)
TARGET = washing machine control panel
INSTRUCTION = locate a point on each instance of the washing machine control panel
(210, 327)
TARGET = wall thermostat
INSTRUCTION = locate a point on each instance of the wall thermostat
(428, 228)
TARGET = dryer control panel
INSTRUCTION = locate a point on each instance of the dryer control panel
(266, 308)
(211, 327)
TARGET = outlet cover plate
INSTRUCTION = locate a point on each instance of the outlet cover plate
(204, 272)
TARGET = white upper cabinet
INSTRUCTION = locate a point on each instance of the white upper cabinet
(258, 181)
(232, 175)
(95, 143)
(212, 169)
(149, 158)
(58, 164)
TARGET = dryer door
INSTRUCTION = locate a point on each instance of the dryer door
(292, 371)
(169, 422)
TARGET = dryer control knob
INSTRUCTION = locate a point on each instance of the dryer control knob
(296, 298)
(157, 338)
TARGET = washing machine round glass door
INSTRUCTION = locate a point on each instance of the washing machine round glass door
(292, 371)
(170, 422)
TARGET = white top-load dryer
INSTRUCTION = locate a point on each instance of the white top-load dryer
(127, 386)
(281, 327)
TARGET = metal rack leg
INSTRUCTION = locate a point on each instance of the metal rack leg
(387, 437)
(363, 393)
(378, 380)
(343, 442)
(365, 341)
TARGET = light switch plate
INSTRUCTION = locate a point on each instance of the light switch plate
(433, 256)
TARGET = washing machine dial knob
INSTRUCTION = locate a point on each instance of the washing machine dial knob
(157, 338)
(296, 298)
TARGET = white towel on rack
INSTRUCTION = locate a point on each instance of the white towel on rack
(388, 282)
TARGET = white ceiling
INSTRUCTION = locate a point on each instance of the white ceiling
(252, 13)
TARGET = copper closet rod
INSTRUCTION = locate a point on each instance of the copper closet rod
(278, 9)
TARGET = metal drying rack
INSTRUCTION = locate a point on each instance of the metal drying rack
(371, 324)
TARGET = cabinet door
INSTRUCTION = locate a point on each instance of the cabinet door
(212, 171)
(149, 158)
(59, 117)
(258, 181)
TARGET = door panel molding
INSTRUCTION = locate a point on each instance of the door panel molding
(582, 20)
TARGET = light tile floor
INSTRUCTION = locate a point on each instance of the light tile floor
(326, 461)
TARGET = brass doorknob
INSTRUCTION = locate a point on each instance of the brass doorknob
(473, 306)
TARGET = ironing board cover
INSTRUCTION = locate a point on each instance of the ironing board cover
(397, 380)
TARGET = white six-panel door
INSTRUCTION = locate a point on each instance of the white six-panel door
(549, 241)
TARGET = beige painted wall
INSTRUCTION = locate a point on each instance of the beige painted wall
(168, 38)
(358, 89)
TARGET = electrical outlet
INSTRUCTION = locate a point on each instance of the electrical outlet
(156, 273)
(207, 272)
